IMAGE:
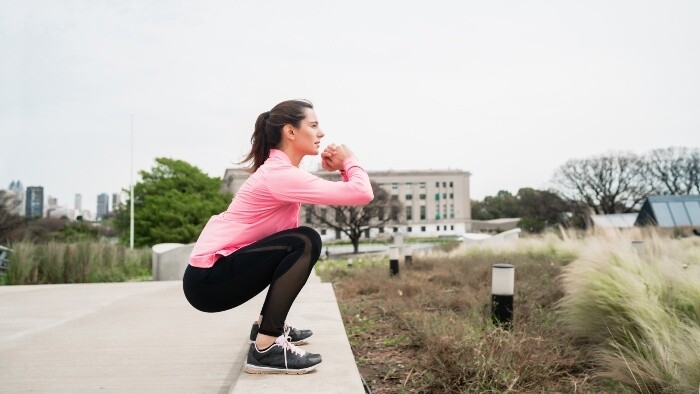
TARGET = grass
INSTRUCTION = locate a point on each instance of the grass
(80, 262)
(429, 329)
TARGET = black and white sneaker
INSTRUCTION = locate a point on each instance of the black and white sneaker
(281, 358)
(296, 336)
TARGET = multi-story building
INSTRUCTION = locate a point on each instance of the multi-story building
(116, 201)
(435, 202)
(34, 207)
(17, 198)
(102, 205)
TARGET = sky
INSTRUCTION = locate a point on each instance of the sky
(506, 90)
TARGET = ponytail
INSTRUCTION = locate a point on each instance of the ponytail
(268, 130)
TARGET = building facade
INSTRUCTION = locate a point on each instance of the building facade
(102, 205)
(435, 202)
(17, 205)
(34, 206)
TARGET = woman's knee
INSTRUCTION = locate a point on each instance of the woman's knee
(314, 238)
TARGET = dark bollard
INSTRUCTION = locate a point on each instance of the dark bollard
(502, 285)
(408, 255)
(393, 260)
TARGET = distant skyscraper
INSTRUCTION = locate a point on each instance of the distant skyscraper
(17, 191)
(102, 205)
(116, 200)
(35, 202)
(78, 202)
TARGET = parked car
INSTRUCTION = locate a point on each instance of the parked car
(4, 258)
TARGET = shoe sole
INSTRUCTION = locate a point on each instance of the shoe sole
(297, 343)
(259, 369)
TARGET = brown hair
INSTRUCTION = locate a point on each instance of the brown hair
(268, 129)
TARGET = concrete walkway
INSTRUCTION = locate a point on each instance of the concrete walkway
(143, 337)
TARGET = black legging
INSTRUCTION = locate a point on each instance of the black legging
(283, 261)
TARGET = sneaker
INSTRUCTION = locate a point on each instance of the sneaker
(296, 336)
(282, 358)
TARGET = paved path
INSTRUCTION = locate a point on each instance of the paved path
(143, 337)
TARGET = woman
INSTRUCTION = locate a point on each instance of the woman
(257, 241)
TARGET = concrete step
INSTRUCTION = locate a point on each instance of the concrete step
(145, 337)
(316, 308)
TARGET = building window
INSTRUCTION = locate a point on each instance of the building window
(381, 230)
(367, 233)
(452, 227)
(421, 185)
(409, 213)
(437, 196)
(437, 184)
(422, 212)
(308, 214)
(444, 184)
(394, 197)
(451, 184)
(437, 228)
(396, 229)
(337, 234)
(422, 229)
(409, 229)
(437, 216)
(452, 196)
(444, 228)
(409, 196)
(422, 196)
(323, 231)
(324, 211)
(394, 186)
(380, 213)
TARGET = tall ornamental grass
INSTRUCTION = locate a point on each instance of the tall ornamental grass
(636, 311)
(80, 262)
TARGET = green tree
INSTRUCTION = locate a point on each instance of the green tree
(172, 203)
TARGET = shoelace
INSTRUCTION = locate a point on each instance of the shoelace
(283, 341)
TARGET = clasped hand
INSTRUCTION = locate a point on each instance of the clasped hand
(333, 156)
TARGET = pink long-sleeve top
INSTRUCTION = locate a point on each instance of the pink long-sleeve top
(269, 201)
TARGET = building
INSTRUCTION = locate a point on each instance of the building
(681, 213)
(34, 206)
(78, 202)
(102, 205)
(116, 201)
(16, 192)
(436, 202)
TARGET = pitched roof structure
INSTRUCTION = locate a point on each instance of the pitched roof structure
(670, 211)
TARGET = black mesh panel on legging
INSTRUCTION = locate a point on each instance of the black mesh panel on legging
(288, 280)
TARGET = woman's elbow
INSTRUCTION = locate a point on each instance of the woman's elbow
(367, 197)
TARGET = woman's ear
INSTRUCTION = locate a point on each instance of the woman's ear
(288, 131)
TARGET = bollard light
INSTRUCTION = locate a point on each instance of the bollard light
(408, 255)
(638, 246)
(502, 286)
(394, 260)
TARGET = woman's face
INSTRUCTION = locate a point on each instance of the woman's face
(308, 135)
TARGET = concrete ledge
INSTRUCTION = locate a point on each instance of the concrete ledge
(338, 373)
(145, 337)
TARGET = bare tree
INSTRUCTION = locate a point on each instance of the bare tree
(9, 221)
(609, 183)
(355, 220)
(674, 170)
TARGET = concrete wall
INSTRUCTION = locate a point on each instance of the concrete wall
(168, 261)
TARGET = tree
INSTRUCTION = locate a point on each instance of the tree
(172, 203)
(609, 183)
(502, 205)
(674, 170)
(9, 221)
(355, 220)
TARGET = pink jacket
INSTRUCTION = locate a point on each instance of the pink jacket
(269, 201)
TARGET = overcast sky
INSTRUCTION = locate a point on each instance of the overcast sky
(505, 90)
